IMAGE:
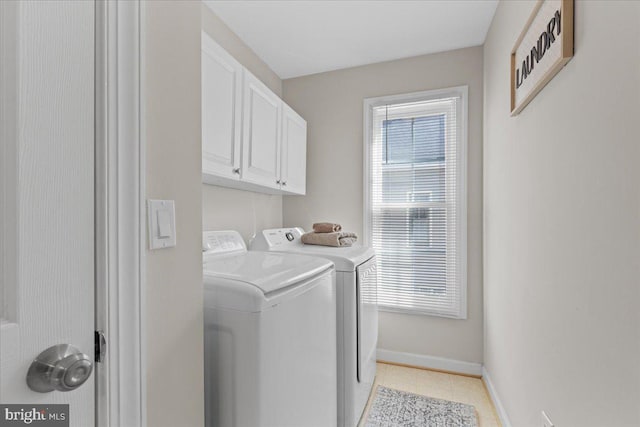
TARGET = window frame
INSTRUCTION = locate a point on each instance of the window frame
(455, 312)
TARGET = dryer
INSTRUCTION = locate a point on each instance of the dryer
(269, 336)
(357, 314)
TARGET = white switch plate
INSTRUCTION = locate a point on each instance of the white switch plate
(546, 422)
(161, 217)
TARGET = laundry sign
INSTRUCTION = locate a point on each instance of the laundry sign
(543, 48)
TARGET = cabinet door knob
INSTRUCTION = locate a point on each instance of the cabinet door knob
(278, 181)
(284, 182)
(236, 171)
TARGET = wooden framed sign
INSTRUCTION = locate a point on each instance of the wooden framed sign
(543, 48)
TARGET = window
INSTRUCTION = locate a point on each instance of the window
(415, 200)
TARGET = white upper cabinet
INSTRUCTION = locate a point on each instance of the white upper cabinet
(251, 139)
(261, 134)
(221, 111)
(293, 168)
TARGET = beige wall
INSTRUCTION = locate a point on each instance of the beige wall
(332, 104)
(226, 208)
(562, 225)
(174, 276)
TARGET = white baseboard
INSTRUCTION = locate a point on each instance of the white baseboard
(502, 414)
(429, 362)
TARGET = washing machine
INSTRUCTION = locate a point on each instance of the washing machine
(357, 313)
(269, 336)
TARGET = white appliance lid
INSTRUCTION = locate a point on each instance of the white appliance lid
(267, 271)
(345, 258)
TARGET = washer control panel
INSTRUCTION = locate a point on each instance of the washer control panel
(219, 242)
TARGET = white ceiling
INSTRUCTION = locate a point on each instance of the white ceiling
(297, 38)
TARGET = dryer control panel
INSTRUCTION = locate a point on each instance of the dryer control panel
(277, 238)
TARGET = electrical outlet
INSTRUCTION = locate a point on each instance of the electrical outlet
(546, 422)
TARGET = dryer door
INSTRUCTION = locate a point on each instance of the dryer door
(367, 319)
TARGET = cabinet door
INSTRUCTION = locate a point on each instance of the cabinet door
(294, 152)
(260, 134)
(221, 111)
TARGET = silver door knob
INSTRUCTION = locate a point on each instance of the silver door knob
(62, 367)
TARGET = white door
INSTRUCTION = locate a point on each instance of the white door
(221, 110)
(261, 134)
(47, 197)
(294, 152)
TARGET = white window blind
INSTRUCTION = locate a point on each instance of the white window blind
(415, 213)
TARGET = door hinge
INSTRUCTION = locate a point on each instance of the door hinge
(100, 341)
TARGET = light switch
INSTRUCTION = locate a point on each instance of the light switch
(162, 224)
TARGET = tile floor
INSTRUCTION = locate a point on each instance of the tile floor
(438, 385)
